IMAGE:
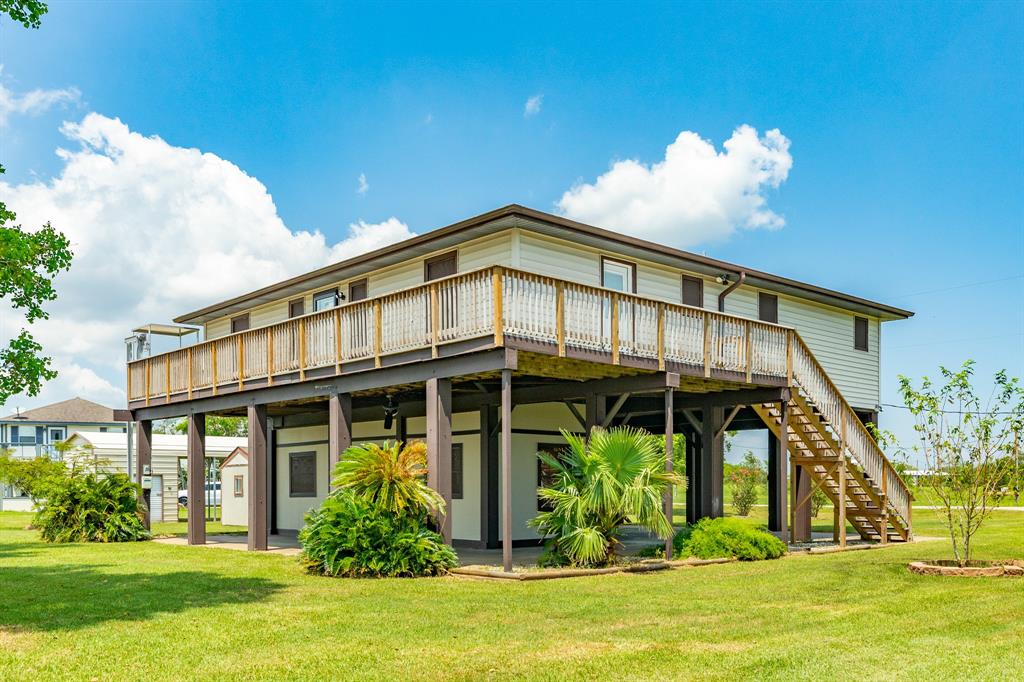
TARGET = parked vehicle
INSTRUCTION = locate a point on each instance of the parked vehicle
(212, 494)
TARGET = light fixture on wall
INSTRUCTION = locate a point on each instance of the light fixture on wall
(390, 412)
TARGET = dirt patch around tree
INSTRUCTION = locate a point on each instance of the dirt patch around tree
(975, 569)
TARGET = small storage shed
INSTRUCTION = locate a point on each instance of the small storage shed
(234, 487)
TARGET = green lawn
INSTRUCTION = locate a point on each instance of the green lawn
(150, 611)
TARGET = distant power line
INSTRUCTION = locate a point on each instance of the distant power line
(958, 286)
(904, 407)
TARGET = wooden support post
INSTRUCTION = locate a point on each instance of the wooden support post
(258, 489)
(802, 493)
(339, 430)
(840, 519)
(497, 292)
(596, 410)
(669, 497)
(196, 467)
(693, 475)
(506, 469)
(439, 448)
(781, 466)
(489, 469)
(776, 485)
(560, 317)
(615, 328)
(712, 462)
(144, 465)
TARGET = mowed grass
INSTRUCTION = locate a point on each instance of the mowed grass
(156, 612)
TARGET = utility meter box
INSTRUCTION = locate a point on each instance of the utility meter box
(147, 482)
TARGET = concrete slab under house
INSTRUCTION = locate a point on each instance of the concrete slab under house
(487, 337)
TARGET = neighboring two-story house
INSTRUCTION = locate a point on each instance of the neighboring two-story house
(36, 432)
(488, 336)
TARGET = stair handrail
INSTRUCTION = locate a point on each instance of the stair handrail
(848, 428)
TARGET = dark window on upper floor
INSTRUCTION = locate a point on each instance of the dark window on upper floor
(457, 471)
(441, 266)
(325, 299)
(296, 308)
(693, 291)
(860, 333)
(767, 307)
(240, 323)
(302, 474)
(358, 290)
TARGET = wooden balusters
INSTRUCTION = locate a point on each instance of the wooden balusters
(435, 319)
(661, 338)
(241, 362)
(337, 341)
(560, 317)
(707, 345)
(615, 328)
(270, 356)
(167, 377)
(748, 326)
(377, 326)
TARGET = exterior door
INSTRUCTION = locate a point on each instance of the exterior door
(619, 276)
(156, 500)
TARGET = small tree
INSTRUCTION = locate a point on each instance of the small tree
(747, 479)
(31, 476)
(967, 446)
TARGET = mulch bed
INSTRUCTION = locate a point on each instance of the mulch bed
(976, 569)
(554, 573)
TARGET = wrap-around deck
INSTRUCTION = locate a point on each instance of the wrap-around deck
(504, 307)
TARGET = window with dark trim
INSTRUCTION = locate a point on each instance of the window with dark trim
(325, 299)
(441, 266)
(767, 307)
(302, 474)
(458, 473)
(546, 474)
(860, 333)
(296, 308)
(240, 323)
(239, 486)
(358, 290)
(693, 291)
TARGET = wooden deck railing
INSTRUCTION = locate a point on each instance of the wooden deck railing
(501, 303)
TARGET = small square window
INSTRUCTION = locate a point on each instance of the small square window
(239, 486)
(693, 291)
(358, 290)
(296, 308)
(325, 299)
(302, 474)
(240, 323)
(768, 307)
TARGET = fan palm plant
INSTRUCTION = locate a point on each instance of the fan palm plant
(391, 476)
(616, 477)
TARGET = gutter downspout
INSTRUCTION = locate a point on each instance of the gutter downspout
(729, 289)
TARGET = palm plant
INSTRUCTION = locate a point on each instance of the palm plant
(391, 476)
(616, 477)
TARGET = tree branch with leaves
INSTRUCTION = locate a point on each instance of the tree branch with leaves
(967, 445)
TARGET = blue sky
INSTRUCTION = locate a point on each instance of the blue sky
(905, 123)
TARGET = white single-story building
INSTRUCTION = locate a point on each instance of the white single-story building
(234, 487)
(168, 452)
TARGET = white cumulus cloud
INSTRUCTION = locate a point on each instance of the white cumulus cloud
(364, 186)
(32, 102)
(533, 105)
(695, 194)
(157, 230)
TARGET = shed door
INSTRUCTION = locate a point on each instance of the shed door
(156, 500)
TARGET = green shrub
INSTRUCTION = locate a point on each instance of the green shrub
(352, 537)
(727, 537)
(597, 486)
(747, 480)
(91, 508)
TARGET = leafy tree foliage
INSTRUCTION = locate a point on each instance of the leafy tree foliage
(31, 476)
(614, 478)
(28, 263)
(28, 13)
(237, 427)
(968, 445)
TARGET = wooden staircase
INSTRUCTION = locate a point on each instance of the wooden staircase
(829, 441)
